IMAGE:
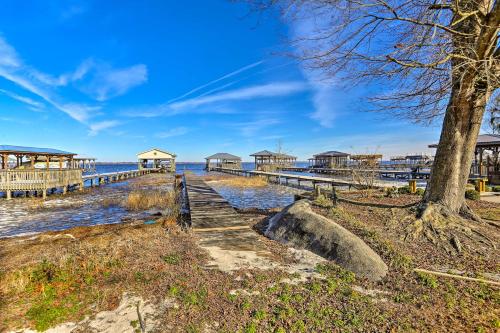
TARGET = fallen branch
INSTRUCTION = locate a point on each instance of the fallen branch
(421, 270)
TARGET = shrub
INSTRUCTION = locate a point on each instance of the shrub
(323, 201)
(404, 189)
(488, 189)
(391, 192)
(496, 188)
(420, 191)
(472, 195)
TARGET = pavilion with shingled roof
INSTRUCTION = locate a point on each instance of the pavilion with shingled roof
(269, 161)
(329, 160)
(223, 160)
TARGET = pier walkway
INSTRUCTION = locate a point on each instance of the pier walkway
(222, 231)
(313, 180)
(109, 177)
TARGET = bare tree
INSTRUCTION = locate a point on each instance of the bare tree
(436, 57)
(494, 116)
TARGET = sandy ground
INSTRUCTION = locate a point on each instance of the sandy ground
(491, 197)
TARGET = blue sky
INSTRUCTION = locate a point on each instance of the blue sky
(112, 78)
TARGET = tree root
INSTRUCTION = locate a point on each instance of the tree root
(442, 227)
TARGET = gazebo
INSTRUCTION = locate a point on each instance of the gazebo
(87, 164)
(223, 160)
(367, 160)
(156, 159)
(486, 157)
(269, 161)
(37, 169)
(35, 158)
(329, 159)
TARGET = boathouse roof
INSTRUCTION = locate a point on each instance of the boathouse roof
(155, 151)
(332, 153)
(483, 140)
(271, 154)
(223, 156)
(33, 151)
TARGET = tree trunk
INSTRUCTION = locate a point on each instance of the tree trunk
(455, 151)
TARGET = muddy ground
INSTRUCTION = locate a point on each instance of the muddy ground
(76, 275)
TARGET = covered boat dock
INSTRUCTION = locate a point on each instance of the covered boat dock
(269, 161)
(37, 169)
(223, 160)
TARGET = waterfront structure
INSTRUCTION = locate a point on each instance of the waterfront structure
(223, 160)
(367, 160)
(87, 164)
(329, 159)
(269, 161)
(156, 159)
(37, 169)
(486, 158)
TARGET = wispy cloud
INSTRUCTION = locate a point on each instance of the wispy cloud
(214, 103)
(64, 79)
(13, 69)
(251, 128)
(23, 99)
(226, 76)
(323, 88)
(177, 131)
(274, 89)
(95, 128)
(73, 11)
(111, 82)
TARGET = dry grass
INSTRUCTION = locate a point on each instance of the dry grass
(51, 279)
(146, 199)
(155, 179)
(244, 182)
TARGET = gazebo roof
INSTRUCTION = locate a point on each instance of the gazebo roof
(157, 150)
(271, 154)
(33, 151)
(483, 140)
(332, 153)
(223, 156)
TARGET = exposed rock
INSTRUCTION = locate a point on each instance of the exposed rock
(301, 227)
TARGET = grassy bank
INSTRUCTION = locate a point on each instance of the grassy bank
(65, 276)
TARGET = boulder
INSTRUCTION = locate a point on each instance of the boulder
(299, 226)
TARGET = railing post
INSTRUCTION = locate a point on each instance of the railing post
(9, 194)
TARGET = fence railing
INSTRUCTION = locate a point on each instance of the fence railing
(34, 180)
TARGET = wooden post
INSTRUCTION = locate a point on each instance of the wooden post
(481, 185)
(413, 186)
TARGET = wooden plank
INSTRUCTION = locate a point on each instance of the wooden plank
(209, 211)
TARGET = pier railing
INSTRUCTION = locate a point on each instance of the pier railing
(38, 180)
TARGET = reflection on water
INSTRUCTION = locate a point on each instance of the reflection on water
(27, 216)
(270, 196)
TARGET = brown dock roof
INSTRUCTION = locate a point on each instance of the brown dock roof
(223, 156)
(271, 154)
(332, 153)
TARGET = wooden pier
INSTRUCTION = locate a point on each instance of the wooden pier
(394, 173)
(42, 181)
(286, 178)
(110, 177)
(208, 209)
(219, 227)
